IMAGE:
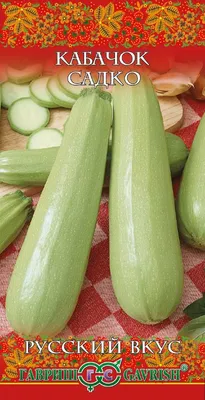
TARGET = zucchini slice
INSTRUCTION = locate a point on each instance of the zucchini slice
(11, 92)
(59, 96)
(25, 116)
(67, 88)
(45, 138)
(25, 75)
(40, 94)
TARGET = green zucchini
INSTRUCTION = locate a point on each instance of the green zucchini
(15, 210)
(177, 153)
(26, 167)
(145, 257)
(191, 197)
(32, 167)
(50, 269)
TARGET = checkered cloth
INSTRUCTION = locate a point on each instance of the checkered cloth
(98, 312)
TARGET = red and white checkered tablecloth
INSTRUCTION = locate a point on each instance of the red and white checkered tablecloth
(97, 312)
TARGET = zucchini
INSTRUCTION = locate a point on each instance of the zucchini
(191, 197)
(24, 75)
(26, 167)
(177, 153)
(12, 92)
(44, 138)
(40, 94)
(50, 269)
(66, 87)
(32, 167)
(59, 97)
(15, 210)
(25, 116)
(145, 257)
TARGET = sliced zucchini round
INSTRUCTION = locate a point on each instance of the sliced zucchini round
(59, 96)
(40, 94)
(44, 138)
(11, 92)
(70, 90)
(25, 116)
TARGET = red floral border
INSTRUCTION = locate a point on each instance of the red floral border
(12, 357)
(125, 24)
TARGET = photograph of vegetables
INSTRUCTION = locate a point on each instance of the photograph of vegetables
(71, 141)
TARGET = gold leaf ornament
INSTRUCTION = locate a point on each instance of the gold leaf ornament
(11, 11)
(11, 362)
(160, 26)
(28, 360)
(152, 20)
(19, 356)
(105, 30)
(117, 16)
(30, 12)
(99, 13)
(168, 20)
(11, 372)
(18, 27)
(109, 10)
(114, 25)
(154, 9)
(172, 11)
(10, 21)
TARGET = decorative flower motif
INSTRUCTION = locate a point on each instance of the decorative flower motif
(48, 17)
(75, 27)
(27, 38)
(39, 37)
(64, 364)
(169, 37)
(84, 36)
(138, 15)
(71, 7)
(88, 25)
(190, 37)
(179, 35)
(78, 14)
(136, 28)
(189, 16)
(72, 37)
(64, 18)
(181, 23)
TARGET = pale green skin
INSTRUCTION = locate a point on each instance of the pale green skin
(26, 167)
(15, 210)
(32, 167)
(177, 153)
(51, 266)
(191, 198)
(145, 257)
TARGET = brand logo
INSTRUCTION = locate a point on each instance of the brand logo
(107, 374)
